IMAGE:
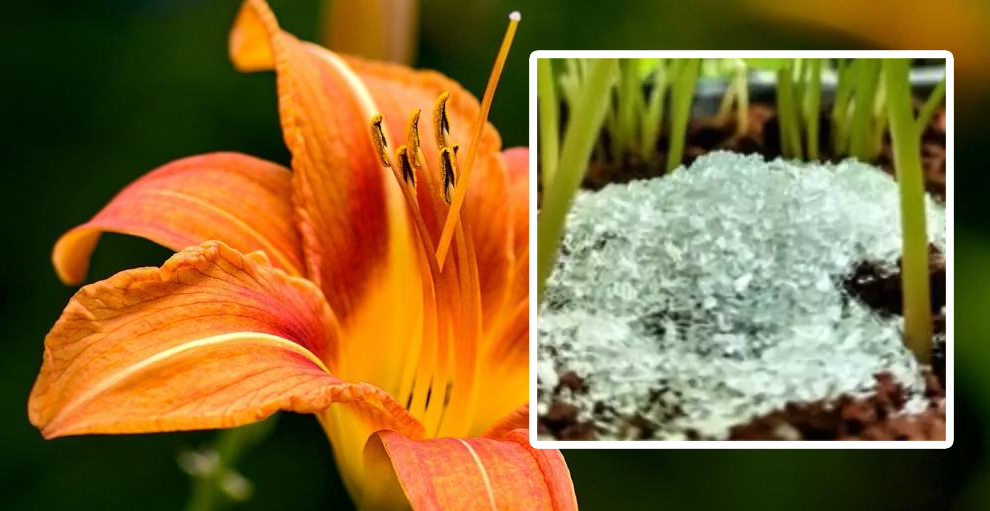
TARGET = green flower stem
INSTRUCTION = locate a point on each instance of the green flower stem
(861, 141)
(682, 94)
(549, 120)
(907, 160)
(215, 483)
(812, 105)
(582, 132)
(790, 129)
(928, 109)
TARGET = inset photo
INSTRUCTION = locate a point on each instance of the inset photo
(741, 247)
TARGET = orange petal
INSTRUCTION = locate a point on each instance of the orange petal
(350, 210)
(517, 419)
(517, 164)
(503, 374)
(479, 473)
(238, 199)
(359, 243)
(517, 170)
(212, 339)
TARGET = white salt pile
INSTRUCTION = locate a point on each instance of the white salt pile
(704, 298)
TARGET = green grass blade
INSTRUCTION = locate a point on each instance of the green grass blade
(582, 132)
(861, 141)
(812, 106)
(787, 113)
(742, 99)
(907, 160)
(928, 109)
(682, 95)
(549, 120)
(653, 120)
(840, 107)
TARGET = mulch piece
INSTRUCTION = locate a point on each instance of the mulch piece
(561, 420)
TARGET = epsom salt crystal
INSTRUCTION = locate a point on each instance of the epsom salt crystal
(723, 282)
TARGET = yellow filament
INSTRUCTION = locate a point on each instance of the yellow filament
(486, 105)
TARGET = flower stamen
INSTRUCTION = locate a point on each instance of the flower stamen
(486, 104)
(405, 165)
(448, 171)
(378, 137)
(412, 138)
(441, 122)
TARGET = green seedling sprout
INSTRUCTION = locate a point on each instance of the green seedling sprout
(572, 80)
(860, 132)
(633, 120)
(907, 161)
(685, 76)
(583, 128)
(736, 92)
(928, 109)
(787, 113)
(812, 105)
(788, 116)
(571, 83)
(879, 124)
(653, 118)
(629, 106)
(549, 120)
(719, 68)
(741, 84)
(845, 72)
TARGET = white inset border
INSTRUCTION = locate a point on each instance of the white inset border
(737, 444)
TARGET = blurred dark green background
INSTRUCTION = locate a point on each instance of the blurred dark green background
(93, 94)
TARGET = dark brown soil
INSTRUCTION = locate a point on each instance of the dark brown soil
(561, 420)
(877, 417)
(762, 136)
(881, 290)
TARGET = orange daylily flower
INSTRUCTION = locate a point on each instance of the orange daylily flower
(322, 290)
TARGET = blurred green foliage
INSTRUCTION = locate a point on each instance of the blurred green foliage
(93, 94)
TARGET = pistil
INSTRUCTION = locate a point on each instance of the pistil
(486, 104)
